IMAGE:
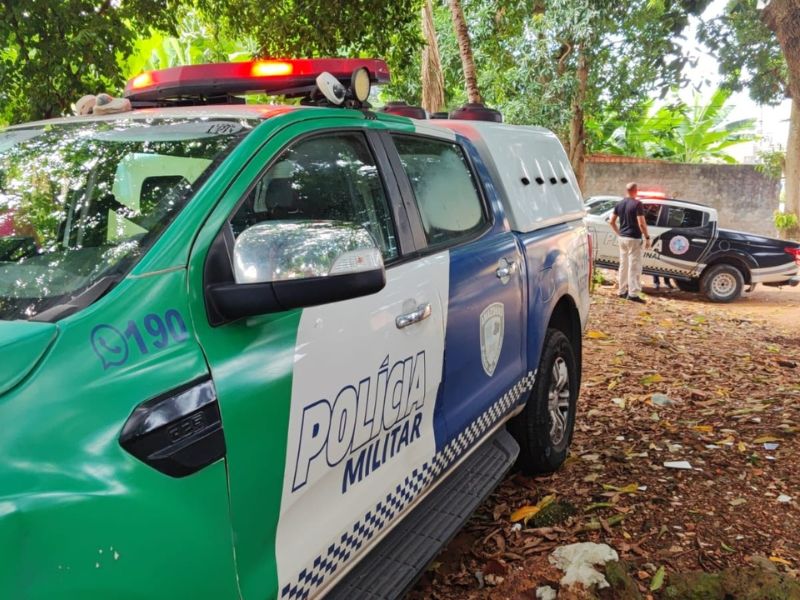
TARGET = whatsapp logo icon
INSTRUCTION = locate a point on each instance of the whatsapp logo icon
(109, 345)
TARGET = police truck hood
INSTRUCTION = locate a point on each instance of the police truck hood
(22, 345)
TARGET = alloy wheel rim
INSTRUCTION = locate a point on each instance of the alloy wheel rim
(558, 401)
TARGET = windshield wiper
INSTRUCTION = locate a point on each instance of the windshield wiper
(88, 296)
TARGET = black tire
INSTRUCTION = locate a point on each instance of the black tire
(543, 443)
(692, 285)
(722, 283)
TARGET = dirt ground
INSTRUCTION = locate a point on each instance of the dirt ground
(778, 306)
(677, 379)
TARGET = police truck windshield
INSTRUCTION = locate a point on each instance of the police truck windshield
(81, 202)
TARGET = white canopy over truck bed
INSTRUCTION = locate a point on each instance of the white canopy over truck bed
(538, 186)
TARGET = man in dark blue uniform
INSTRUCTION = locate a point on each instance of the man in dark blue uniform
(633, 239)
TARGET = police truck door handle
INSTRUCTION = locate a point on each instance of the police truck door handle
(505, 268)
(422, 312)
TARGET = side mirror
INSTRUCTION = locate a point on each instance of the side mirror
(281, 265)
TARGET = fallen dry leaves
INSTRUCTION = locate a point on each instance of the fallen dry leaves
(676, 382)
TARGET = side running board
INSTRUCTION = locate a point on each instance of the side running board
(393, 566)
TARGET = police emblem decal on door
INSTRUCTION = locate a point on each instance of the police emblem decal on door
(492, 328)
(679, 245)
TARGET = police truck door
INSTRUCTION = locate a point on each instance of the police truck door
(686, 235)
(485, 320)
(327, 411)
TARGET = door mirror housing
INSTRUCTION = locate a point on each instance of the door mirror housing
(294, 250)
(281, 265)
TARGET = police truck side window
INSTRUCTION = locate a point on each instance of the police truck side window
(324, 178)
(446, 195)
(683, 217)
(651, 214)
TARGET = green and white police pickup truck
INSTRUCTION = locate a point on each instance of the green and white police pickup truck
(256, 352)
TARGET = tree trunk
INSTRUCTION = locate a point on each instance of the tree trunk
(577, 131)
(432, 77)
(783, 17)
(792, 167)
(465, 49)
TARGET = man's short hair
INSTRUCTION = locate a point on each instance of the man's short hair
(631, 186)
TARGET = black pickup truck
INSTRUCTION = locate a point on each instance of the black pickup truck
(690, 247)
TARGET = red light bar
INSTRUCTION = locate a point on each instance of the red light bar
(655, 194)
(271, 68)
(795, 252)
(291, 77)
(141, 81)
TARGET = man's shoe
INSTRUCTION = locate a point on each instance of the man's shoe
(623, 295)
(638, 299)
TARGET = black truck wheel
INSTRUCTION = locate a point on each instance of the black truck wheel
(693, 285)
(722, 283)
(544, 428)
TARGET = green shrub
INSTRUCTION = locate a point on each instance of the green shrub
(597, 279)
(771, 163)
(785, 221)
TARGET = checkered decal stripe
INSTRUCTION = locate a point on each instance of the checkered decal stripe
(681, 272)
(363, 530)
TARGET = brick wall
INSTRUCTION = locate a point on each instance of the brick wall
(744, 198)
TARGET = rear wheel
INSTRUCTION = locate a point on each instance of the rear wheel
(722, 283)
(693, 285)
(544, 428)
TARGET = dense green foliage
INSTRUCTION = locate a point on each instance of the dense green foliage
(785, 221)
(748, 52)
(756, 45)
(54, 51)
(639, 134)
(322, 28)
(528, 57)
(771, 163)
(558, 63)
(197, 40)
(675, 131)
(406, 82)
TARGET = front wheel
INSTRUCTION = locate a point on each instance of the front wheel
(722, 283)
(544, 428)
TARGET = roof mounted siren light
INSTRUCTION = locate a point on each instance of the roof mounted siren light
(360, 85)
(337, 94)
(475, 111)
(652, 194)
(331, 88)
(224, 82)
(404, 109)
